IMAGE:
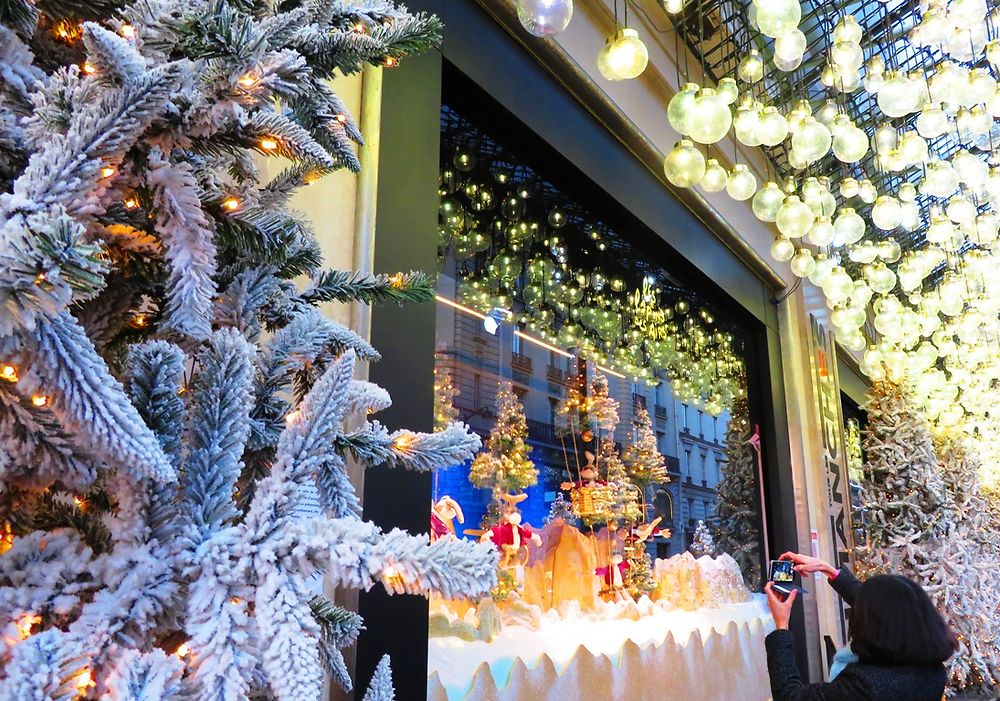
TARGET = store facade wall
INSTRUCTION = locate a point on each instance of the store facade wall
(406, 239)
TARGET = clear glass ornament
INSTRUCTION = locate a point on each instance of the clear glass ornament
(751, 67)
(782, 250)
(544, 18)
(684, 166)
(898, 96)
(867, 191)
(715, 177)
(803, 263)
(822, 232)
(772, 128)
(727, 90)
(742, 183)
(680, 109)
(624, 56)
(795, 218)
(747, 122)
(767, 201)
(812, 140)
(777, 17)
(849, 188)
(886, 213)
(711, 119)
(850, 145)
(791, 45)
(848, 227)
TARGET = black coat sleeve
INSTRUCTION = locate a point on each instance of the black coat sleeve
(846, 584)
(787, 684)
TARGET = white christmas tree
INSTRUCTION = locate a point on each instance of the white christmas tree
(702, 542)
(643, 462)
(155, 445)
(913, 525)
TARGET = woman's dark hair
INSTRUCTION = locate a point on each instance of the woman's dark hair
(893, 621)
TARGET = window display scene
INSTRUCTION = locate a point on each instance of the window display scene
(618, 477)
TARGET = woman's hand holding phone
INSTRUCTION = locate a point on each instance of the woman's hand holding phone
(780, 605)
(805, 565)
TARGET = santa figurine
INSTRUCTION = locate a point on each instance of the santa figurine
(510, 537)
(443, 513)
(613, 577)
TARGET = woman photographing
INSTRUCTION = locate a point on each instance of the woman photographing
(900, 640)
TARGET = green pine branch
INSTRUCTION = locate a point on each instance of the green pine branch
(346, 286)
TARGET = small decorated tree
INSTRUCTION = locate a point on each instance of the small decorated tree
(738, 523)
(643, 462)
(445, 394)
(560, 509)
(702, 543)
(638, 576)
(504, 467)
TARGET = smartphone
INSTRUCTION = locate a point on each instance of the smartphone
(783, 576)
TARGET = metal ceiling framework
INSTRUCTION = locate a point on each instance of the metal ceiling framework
(719, 33)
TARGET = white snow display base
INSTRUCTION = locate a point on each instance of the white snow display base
(666, 655)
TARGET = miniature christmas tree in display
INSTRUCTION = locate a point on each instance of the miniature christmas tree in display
(504, 467)
(643, 462)
(736, 514)
(702, 543)
(445, 394)
(912, 509)
(560, 509)
(155, 444)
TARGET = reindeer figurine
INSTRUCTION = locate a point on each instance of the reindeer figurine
(443, 513)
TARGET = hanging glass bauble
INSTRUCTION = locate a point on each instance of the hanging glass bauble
(941, 230)
(684, 165)
(910, 220)
(886, 213)
(544, 18)
(960, 210)
(964, 14)
(838, 285)
(823, 266)
(862, 252)
(451, 215)
(795, 217)
(847, 29)
(624, 56)
(812, 140)
(790, 46)
(889, 250)
(742, 183)
(782, 250)
(932, 121)
(711, 119)
(803, 263)
(769, 199)
(751, 68)
(849, 227)
(940, 179)
(557, 218)
(913, 148)
(727, 90)
(867, 191)
(849, 188)
(874, 82)
(898, 96)
(828, 112)
(747, 123)
(822, 232)
(505, 267)
(847, 55)
(772, 128)
(777, 17)
(464, 161)
(850, 144)
(971, 170)
(680, 109)
(797, 116)
(715, 177)
(512, 207)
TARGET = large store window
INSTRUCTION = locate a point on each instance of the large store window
(611, 396)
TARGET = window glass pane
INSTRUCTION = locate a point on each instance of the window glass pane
(603, 384)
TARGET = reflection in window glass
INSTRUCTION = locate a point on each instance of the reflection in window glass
(597, 372)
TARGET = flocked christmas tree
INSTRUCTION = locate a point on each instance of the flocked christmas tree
(702, 543)
(560, 509)
(154, 444)
(643, 462)
(504, 467)
(913, 526)
(638, 577)
(736, 532)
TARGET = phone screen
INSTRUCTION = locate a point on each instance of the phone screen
(782, 571)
